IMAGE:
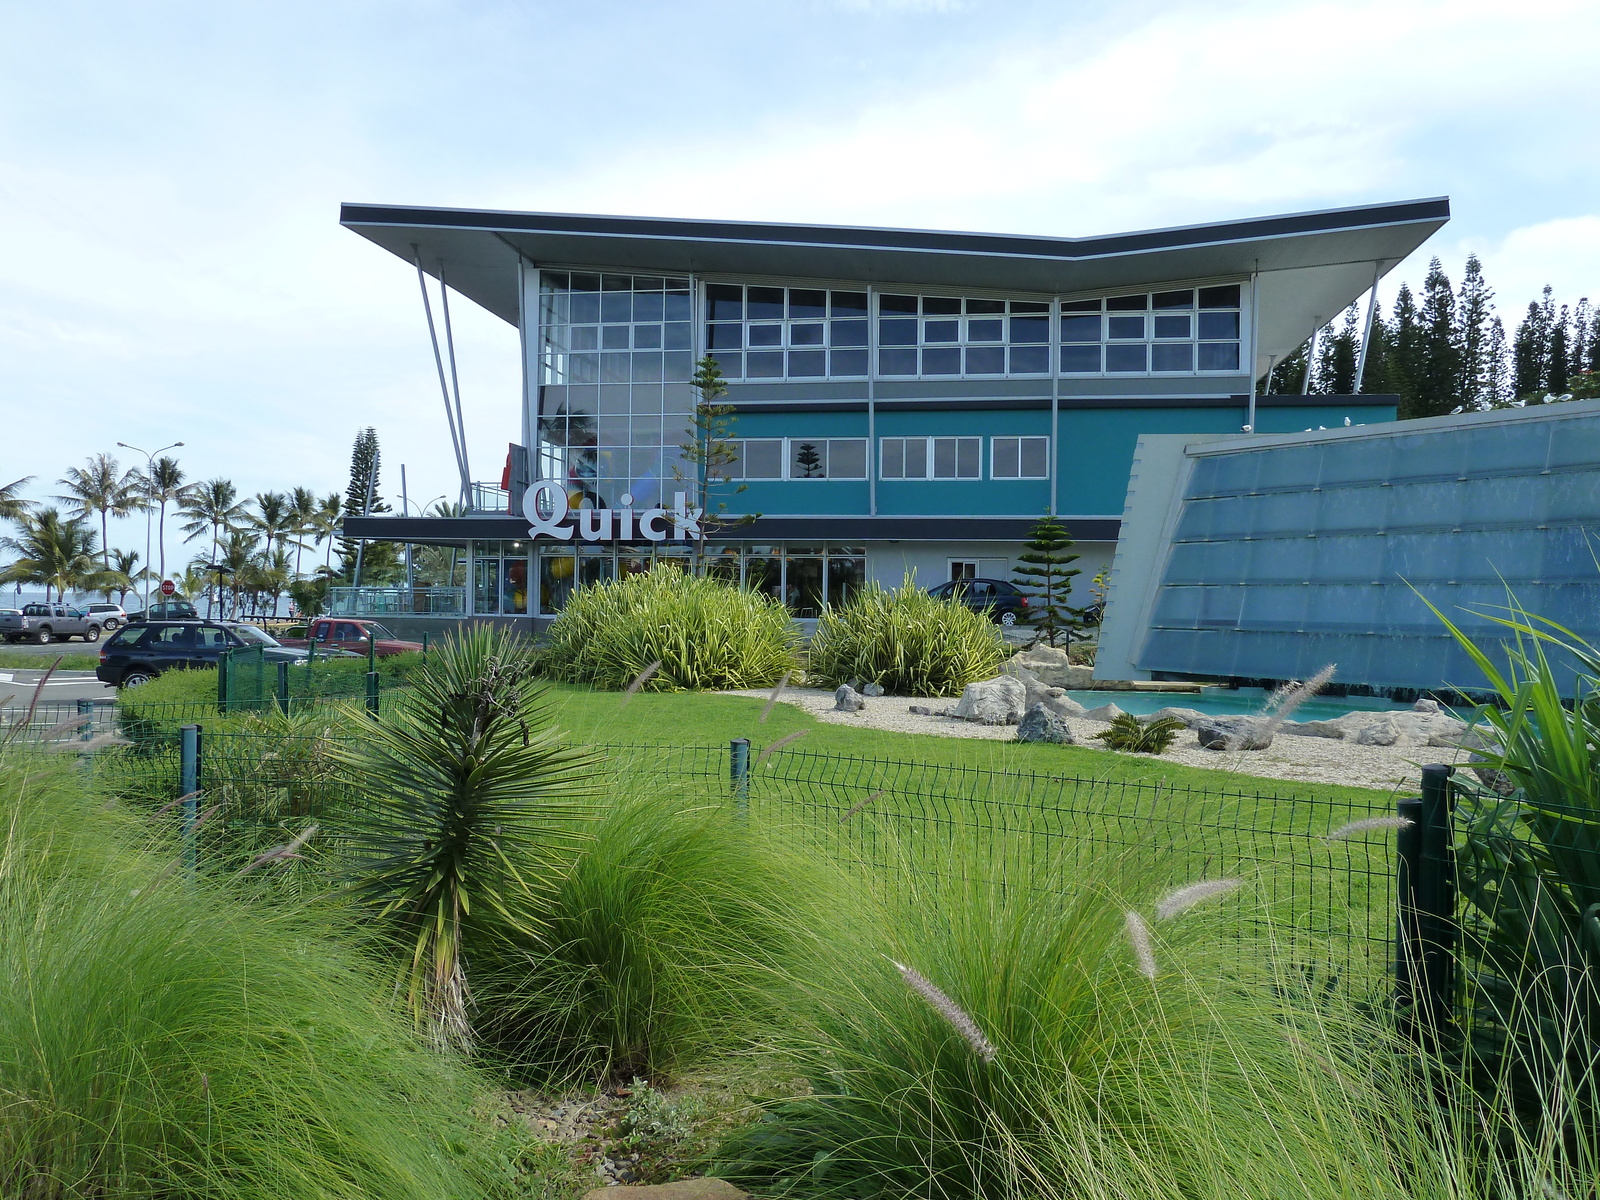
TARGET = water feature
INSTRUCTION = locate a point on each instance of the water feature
(1230, 702)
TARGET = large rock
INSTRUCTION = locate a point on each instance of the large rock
(1106, 712)
(998, 701)
(1051, 667)
(1233, 733)
(847, 699)
(1368, 728)
(1053, 698)
(683, 1189)
(1425, 705)
(872, 689)
(1379, 733)
(1189, 716)
(1040, 724)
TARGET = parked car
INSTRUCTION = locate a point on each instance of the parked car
(1005, 603)
(348, 634)
(137, 653)
(111, 616)
(167, 610)
(45, 623)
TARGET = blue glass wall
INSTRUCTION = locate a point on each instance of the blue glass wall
(1286, 558)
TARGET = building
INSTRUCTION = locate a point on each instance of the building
(1269, 557)
(905, 401)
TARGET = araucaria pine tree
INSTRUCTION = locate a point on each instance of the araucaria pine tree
(1046, 575)
(379, 561)
(711, 455)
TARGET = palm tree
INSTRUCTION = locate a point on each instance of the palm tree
(96, 487)
(234, 562)
(303, 506)
(124, 575)
(210, 505)
(272, 517)
(329, 517)
(12, 506)
(57, 553)
(162, 485)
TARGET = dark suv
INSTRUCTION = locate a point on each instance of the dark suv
(137, 653)
(1004, 602)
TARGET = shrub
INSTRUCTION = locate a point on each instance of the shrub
(703, 633)
(905, 640)
(469, 805)
(159, 1038)
(660, 947)
(1127, 733)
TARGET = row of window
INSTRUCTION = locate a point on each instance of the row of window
(898, 458)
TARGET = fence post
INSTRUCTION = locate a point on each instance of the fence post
(224, 669)
(739, 772)
(372, 651)
(372, 693)
(283, 686)
(424, 645)
(189, 786)
(86, 709)
(1426, 945)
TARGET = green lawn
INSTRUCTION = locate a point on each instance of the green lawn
(680, 718)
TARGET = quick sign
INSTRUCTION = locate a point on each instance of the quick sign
(605, 524)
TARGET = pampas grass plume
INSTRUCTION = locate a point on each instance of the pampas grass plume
(1187, 897)
(1366, 824)
(947, 1008)
(1139, 939)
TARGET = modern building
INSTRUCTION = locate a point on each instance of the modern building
(904, 401)
(1270, 557)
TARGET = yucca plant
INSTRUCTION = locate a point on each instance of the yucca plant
(906, 640)
(1127, 733)
(1528, 864)
(470, 806)
(698, 632)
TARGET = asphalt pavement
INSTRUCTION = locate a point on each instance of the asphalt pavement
(64, 687)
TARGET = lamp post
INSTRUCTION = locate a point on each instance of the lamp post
(149, 469)
(422, 510)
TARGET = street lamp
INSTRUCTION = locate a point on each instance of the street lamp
(149, 469)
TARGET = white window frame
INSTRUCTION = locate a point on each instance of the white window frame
(928, 461)
(1150, 340)
(1016, 452)
(786, 455)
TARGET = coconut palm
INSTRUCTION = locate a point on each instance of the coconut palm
(160, 486)
(472, 802)
(57, 553)
(12, 505)
(125, 574)
(98, 487)
(212, 505)
(272, 517)
(233, 562)
(303, 505)
(329, 517)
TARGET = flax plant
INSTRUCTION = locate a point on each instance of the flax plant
(906, 640)
(470, 804)
(697, 631)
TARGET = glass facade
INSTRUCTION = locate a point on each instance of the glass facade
(1180, 332)
(799, 458)
(615, 358)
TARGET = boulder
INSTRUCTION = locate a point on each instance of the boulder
(1051, 667)
(1425, 705)
(1322, 729)
(1040, 724)
(1233, 733)
(998, 701)
(1053, 698)
(1379, 733)
(922, 710)
(1189, 716)
(872, 689)
(683, 1189)
(847, 699)
(1106, 712)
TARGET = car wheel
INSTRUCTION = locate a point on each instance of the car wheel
(1008, 618)
(42, 638)
(93, 635)
(111, 624)
(137, 677)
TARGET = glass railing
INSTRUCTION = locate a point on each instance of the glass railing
(412, 601)
(490, 497)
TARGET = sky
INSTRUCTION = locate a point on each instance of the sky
(171, 173)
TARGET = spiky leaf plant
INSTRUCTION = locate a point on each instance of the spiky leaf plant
(906, 640)
(1128, 733)
(472, 804)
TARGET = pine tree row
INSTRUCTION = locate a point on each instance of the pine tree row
(1449, 353)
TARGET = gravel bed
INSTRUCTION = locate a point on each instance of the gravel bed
(1307, 759)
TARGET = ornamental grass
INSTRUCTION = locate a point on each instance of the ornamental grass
(909, 642)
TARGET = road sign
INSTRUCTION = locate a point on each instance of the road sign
(168, 587)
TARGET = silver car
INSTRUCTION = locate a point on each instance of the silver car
(110, 616)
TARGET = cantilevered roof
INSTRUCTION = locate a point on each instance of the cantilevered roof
(1313, 264)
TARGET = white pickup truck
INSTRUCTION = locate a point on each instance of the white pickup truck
(44, 623)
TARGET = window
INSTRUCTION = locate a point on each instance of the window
(1019, 458)
(930, 458)
(1175, 332)
(786, 333)
(933, 336)
(800, 458)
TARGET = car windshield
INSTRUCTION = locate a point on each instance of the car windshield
(377, 630)
(251, 636)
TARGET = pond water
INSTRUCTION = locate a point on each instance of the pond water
(1235, 702)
